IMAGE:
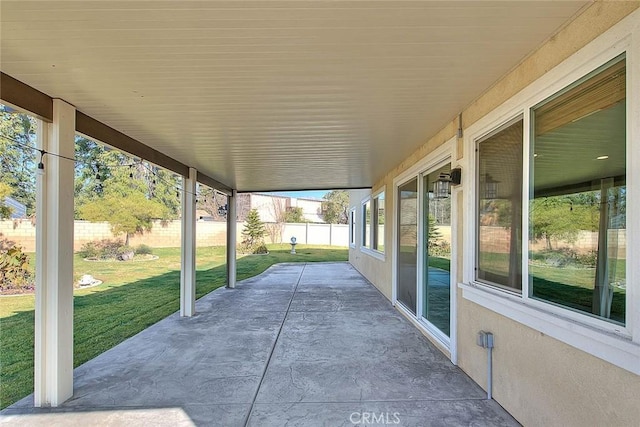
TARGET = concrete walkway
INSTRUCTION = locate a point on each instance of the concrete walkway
(300, 345)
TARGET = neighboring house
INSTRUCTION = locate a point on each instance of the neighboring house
(271, 207)
(18, 210)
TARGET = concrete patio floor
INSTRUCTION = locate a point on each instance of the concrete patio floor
(300, 345)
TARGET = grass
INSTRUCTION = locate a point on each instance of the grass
(133, 296)
(569, 286)
(439, 262)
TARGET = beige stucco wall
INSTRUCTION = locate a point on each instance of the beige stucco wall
(540, 380)
(377, 271)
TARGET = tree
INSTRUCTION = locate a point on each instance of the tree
(294, 214)
(434, 232)
(563, 217)
(126, 215)
(278, 210)
(212, 202)
(335, 207)
(101, 172)
(254, 229)
(17, 160)
(253, 232)
(5, 191)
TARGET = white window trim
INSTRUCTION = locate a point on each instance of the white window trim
(352, 228)
(375, 202)
(364, 236)
(619, 345)
(375, 253)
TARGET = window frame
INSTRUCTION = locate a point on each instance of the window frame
(373, 201)
(352, 228)
(477, 141)
(375, 224)
(617, 344)
(364, 236)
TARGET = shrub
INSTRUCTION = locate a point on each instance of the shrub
(89, 250)
(588, 259)
(103, 249)
(143, 250)
(440, 248)
(15, 274)
(125, 250)
(255, 248)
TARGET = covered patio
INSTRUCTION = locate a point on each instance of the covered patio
(301, 344)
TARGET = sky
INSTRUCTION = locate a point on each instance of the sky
(302, 194)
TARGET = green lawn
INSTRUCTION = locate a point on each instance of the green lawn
(439, 262)
(570, 286)
(133, 296)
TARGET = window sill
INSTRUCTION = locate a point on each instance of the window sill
(373, 253)
(612, 347)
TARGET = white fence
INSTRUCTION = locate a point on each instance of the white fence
(167, 234)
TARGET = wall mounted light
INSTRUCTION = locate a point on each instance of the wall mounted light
(442, 186)
(490, 187)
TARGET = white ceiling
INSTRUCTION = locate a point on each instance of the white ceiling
(274, 95)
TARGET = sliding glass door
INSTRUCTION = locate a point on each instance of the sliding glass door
(423, 281)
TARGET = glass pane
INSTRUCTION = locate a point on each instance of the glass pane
(352, 229)
(378, 241)
(408, 243)
(577, 256)
(438, 254)
(366, 224)
(499, 251)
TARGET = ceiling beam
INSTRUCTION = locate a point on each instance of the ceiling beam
(216, 185)
(288, 190)
(23, 96)
(99, 131)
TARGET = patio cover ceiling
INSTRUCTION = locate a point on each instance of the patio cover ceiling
(274, 95)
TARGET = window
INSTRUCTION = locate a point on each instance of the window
(580, 210)
(372, 228)
(352, 227)
(366, 224)
(499, 201)
(378, 229)
(577, 196)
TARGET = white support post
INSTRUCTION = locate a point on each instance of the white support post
(188, 252)
(53, 351)
(231, 239)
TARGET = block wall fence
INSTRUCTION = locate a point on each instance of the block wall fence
(166, 234)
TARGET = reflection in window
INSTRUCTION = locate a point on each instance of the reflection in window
(378, 229)
(407, 244)
(366, 225)
(352, 227)
(437, 235)
(499, 239)
(577, 256)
